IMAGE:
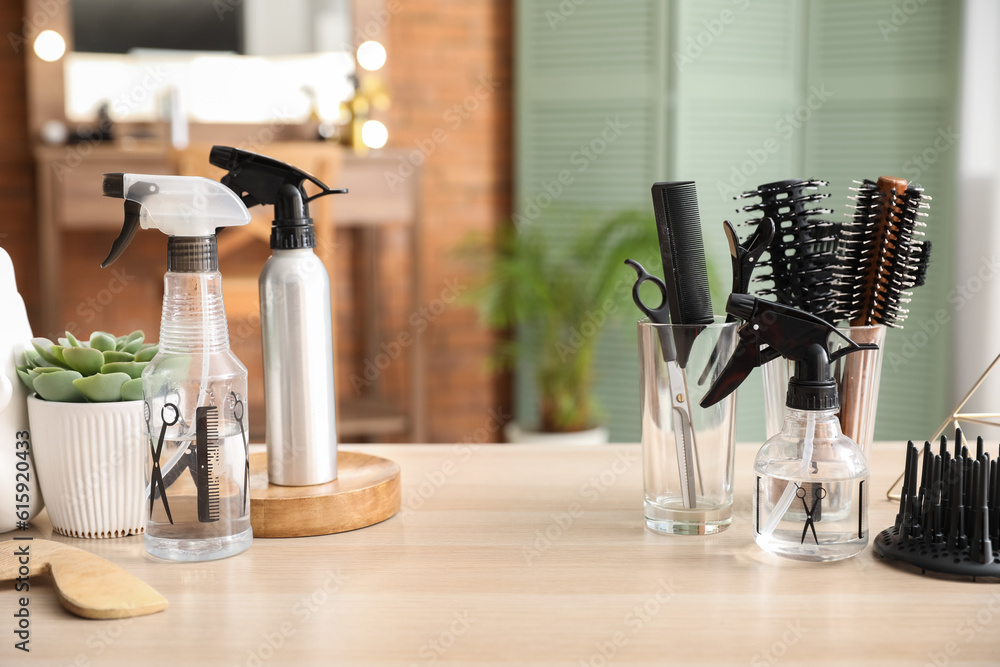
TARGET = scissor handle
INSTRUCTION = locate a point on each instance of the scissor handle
(660, 314)
(163, 414)
(237, 406)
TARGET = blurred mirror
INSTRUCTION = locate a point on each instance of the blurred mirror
(210, 61)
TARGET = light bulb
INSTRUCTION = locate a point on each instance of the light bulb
(371, 55)
(50, 46)
(374, 134)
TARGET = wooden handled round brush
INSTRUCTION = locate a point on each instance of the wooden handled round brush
(883, 259)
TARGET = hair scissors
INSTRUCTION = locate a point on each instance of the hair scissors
(684, 438)
(238, 410)
(819, 493)
(157, 474)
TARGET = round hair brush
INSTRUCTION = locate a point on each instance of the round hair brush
(883, 256)
(802, 257)
(882, 260)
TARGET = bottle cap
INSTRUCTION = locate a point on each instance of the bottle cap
(813, 387)
(192, 254)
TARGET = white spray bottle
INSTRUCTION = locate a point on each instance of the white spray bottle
(194, 389)
(20, 497)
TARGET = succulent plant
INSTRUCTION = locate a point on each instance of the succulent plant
(102, 370)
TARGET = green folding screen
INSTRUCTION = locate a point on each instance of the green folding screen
(732, 94)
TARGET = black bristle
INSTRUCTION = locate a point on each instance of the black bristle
(904, 496)
(922, 262)
(951, 524)
(995, 502)
(802, 261)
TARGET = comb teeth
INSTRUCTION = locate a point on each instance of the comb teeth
(802, 258)
(951, 523)
(883, 255)
(682, 249)
(207, 445)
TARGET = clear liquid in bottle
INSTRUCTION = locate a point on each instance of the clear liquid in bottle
(811, 491)
(194, 389)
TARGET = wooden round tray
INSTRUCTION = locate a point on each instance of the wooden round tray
(365, 492)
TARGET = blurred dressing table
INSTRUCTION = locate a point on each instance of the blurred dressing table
(69, 175)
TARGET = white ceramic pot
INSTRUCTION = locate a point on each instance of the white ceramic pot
(517, 435)
(90, 459)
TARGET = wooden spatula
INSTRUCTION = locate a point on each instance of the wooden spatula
(87, 585)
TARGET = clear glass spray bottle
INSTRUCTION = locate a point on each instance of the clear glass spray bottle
(810, 493)
(194, 389)
(810, 487)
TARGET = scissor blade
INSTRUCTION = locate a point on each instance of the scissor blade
(683, 433)
(685, 457)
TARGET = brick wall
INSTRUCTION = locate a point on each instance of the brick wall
(17, 169)
(450, 75)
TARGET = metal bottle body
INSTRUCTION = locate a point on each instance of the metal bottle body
(297, 332)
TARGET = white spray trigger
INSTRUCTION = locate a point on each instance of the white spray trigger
(176, 205)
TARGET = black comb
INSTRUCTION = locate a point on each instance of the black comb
(682, 251)
(802, 257)
(884, 256)
(951, 523)
(207, 444)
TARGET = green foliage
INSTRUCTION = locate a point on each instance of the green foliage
(105, 369)
(561, 295)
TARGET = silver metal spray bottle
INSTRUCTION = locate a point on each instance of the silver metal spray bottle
(296, 322)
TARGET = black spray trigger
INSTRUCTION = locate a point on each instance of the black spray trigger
(793, 334)
(130, 226)
(259, 179)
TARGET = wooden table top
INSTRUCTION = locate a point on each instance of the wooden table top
(524, 555)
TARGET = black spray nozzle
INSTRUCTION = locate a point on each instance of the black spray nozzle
(774, 330)
(741, 306)
(114, 185)
(259, 179)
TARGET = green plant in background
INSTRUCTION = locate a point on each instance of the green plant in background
(105, 369)
(562, 294)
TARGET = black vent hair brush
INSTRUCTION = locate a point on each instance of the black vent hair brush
(883, 255)
(802, 257)
(949, 522)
